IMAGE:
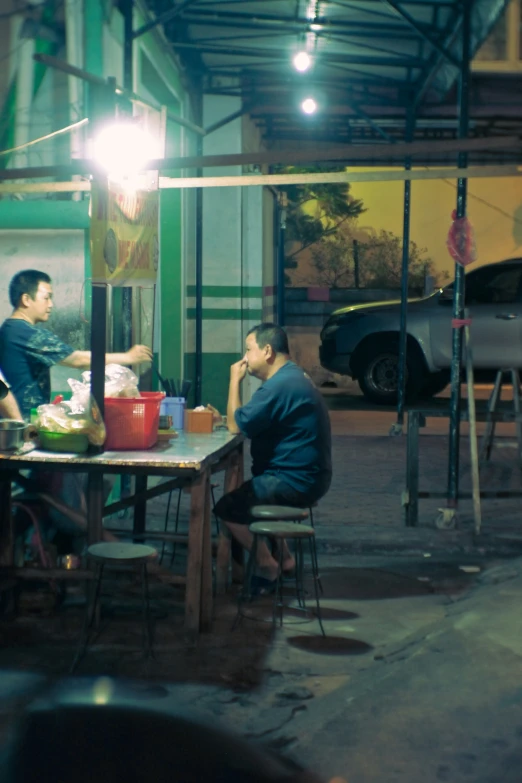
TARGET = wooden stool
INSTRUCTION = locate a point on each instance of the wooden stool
(282, 530)
(110, 554)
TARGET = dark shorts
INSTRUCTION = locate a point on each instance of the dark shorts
(264, 490)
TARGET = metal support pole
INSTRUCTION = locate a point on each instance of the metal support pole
(403, 336)
(459, 290)
(98, 343)
(280, 281)
(198, 385)
(128, 69)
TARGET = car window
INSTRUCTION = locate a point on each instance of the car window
(494, 286)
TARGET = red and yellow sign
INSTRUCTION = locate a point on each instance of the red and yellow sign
(124, 235)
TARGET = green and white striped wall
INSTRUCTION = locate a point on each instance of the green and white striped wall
(228, 313)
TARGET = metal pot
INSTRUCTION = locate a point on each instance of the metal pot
(11, 434)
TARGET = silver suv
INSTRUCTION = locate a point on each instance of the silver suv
(363, 340)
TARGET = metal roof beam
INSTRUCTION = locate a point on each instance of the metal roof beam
(452, 31)
(402, 61)
(291, 23)
(421, 32)
(355, 29)
(165, 17)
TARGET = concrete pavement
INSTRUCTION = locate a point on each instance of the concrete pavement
(419, 675)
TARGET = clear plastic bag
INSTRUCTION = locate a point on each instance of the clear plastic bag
(79, 416)
(119, 381)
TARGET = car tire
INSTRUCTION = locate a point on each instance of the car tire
(378, 374)
(434, 384)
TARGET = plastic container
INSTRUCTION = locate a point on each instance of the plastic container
(70, 443)
(175, 408)
(199, 421)
(132, 422)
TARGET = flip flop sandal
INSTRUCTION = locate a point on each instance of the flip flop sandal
(261, 586)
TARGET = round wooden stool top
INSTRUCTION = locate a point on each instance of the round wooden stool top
(114, 550)
(278, 513)
(281, 530)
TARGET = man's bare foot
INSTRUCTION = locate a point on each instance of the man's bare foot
(267, 568)
(288, 564)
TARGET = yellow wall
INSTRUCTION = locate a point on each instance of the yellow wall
(494, 208)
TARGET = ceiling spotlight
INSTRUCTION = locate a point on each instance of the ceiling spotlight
(309, 106)
(302, 61)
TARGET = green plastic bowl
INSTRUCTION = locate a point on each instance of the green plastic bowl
(65, 442)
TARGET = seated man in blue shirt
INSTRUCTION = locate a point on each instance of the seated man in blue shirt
(289, 428)
(27, 352)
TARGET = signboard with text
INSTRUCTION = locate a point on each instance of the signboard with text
(124, 235)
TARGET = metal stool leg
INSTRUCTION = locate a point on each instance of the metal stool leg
(315, 565)
(147, 634)
(278, 596)
(245, 594)
(316, 588)
(299, 574)
(90, 611)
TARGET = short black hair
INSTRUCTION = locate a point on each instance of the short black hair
(26, 282)
(272, 335)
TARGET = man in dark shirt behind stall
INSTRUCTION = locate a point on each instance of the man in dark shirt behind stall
(27, 352)
(289, 428)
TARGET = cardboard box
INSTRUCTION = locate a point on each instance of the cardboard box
(199, 421)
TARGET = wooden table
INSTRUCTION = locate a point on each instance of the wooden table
(189, 460)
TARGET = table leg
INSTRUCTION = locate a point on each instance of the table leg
(94, 506)
(199, 490)
(7, 533)
(140, 509)
(206, 568)
(233, 479)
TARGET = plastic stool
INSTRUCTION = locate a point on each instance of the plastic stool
(112, 553)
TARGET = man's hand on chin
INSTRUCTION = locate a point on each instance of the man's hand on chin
(238, 371)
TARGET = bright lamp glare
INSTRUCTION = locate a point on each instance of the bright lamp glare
(302, 61)
(309, 106)
(125, 149)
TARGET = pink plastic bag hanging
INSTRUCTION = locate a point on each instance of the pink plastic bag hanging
(461, 240)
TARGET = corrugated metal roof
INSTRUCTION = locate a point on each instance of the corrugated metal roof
(371, 60)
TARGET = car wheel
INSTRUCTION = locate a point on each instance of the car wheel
(379, 375)
(435, 383)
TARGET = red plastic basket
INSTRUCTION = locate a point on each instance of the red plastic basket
(132, 422)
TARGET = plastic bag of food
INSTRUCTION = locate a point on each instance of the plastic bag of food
(79, 416)
(119, 381)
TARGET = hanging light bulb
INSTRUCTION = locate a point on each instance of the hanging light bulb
(309, 106)
(302, 61)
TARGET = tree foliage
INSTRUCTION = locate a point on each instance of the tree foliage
(315, 212)
(379, 260)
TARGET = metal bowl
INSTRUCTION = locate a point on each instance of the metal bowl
(11, 434)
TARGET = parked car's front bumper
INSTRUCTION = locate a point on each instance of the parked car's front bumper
(333, 361)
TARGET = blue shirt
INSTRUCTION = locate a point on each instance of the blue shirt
(27, 353)
(288, 424)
